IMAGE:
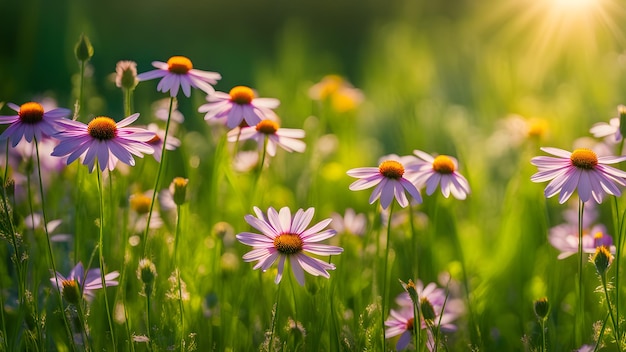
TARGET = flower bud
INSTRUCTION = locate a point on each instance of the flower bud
(542, 308)
(178, 188)
(126, 75)
(83, 49)
(70, 291)
(602, 259)
(428, 311)
(410, 289)
(146, 273)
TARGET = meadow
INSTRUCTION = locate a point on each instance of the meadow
(322, 190)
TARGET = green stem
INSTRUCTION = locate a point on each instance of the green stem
(149, 314)
(274, 318)
(101, 255)
(80, 89)
(128, 96)
(618, 339)
(618, 252)
(68, 330)
(581, 310)
(158, 177)
(83, 322)
(542, 323)
(180, 290)
(385, 285)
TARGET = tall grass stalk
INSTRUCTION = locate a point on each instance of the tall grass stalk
(101, 256)
(177, 268)
(49, 244)
(158, 177)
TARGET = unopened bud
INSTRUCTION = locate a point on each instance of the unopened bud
(178, 188)
(428, 311)
(146, 273)
(542, 308)
(83, 49)
(602, 259)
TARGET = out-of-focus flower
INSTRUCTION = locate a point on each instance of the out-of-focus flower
(161, 109)
(390, 181)
(441, 170)
(157, 141)
(103, 139)
(35, 221)
(564, 237)
(239, 106)
(77, 281)
(177, 73)
(340, 93)
(246, 160)
(351, 222)
(285, 237)
(126, 74)
(31, 122)
(286, 138)
(140, 204)
(580, 170)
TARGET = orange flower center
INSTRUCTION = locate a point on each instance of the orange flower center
(584, 159)
(391, 169)
(102, 128)
(154, 140)
(241, 95)
(288, 243)
(140, 203)
(31, 113)
(267, 127)
(443, 165)
(179, 64)
(409, 324)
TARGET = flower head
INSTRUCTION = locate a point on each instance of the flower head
(239, 106)
(178, 72)
(103, 139)
(564, 238)
(390, 182)
(438, 170)
(156, 142)
(340, 93)
(351, 222)
(31, 122)
(126, 74)
(285, 237)
(85, 282)
(580, 170)
(286, 138)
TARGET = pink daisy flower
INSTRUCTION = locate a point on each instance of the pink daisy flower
(564, 238)
(286, 237)
(104, 140)
(78, 283)
(580, 170)
(389, 180)
(286, 138)
(439, 170)
(31, 122)
(239, 105)
(157, 141)
(178, 72)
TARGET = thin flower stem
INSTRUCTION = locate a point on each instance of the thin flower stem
(79, 104)
(101, 255)
(618, 252)
(581, 311)
(149, 314)
(618, 340)
(180, 290)
(49, 245)
(385, 285)
(83, 322)
(599, 342)
(542, 323)
(158, 177)
(274, 318)
(128, 97)
(417, 325)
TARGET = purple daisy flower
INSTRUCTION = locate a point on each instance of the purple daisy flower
(78, 283)
(389, 180)
(104, 140)
(157, 141)
(286, 138)
(31, 122)
(580, 170)
(441, 169)
(286, 237)
(239, 105)
(178, 72)
(564, 237)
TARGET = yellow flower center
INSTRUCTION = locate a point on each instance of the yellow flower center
(288, 243)
(330, 85)
(267, 127)
(179, 64)
(584, 159)
(443, 165)
(31, 113)
(537, 128)
(391, 169)
(102, 128)
(70, 290)
(241, 95)
(140, 203)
